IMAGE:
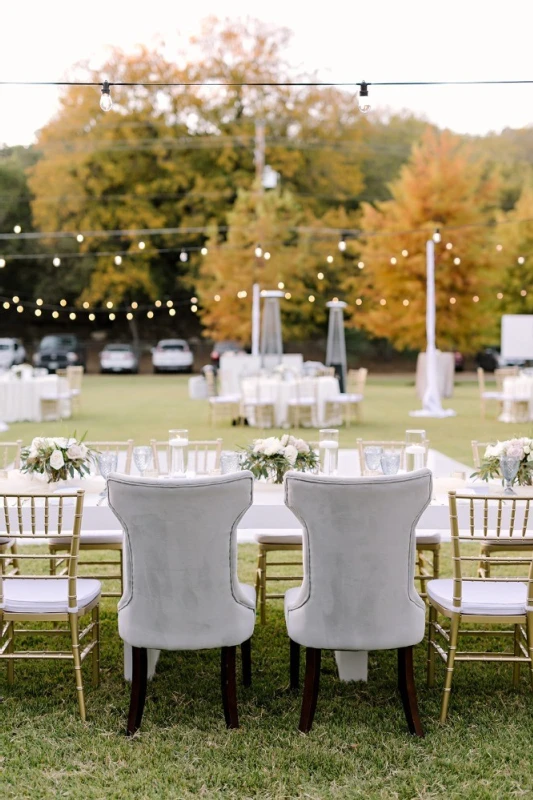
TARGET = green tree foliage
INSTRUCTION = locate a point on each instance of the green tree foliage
(440, 186)
(514, 253)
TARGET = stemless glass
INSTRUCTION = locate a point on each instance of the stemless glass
(230, 461)
(107, 463)
(178, 441)
(509, 466)
(328, 445)
(142, 457)
(390, 462)
(373, 455)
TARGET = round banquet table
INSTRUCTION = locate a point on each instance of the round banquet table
(279, 392)
(20, 398)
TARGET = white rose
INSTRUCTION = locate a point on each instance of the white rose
(495, 450)
(301, 446)
(62, 442)
(285, 439)
(56, 460)
(75, 452)
(291, 454)
(38, 442)
(83, 450)
(272, 446)
(259, 446)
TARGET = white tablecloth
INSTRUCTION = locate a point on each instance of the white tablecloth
(20, 398)
(280, 392)
(518, 399)
(445, 373)
(236, 366)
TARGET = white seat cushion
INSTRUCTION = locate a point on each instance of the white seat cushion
(4, 540)
(427, 537)
(43, 596)
(89, 537)
(493, 395)
(492, 598)
(277, 536)
(303, 401)
(249, 593)
(225, 398)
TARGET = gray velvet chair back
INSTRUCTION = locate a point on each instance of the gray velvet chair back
(181, 590)
(358, 591)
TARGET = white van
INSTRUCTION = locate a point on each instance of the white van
(11, 352)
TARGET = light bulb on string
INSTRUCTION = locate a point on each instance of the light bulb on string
(111, 317)
(39, 302)
(364, 105)
(329, 259)
(20, 309)
(86, 304)
(2, 263)
(157, 303)
(172, 312)
(405, 253)
(457, 261)
(56, 262)
(358, 302)
(183, 256)
(436, 236)
(361, 264)
(79, 237)
(150, 314)
(106, 103)
(194, 309)
(170, 303)
(17, 229)
(521, 259)
(55, 314)
(63, 302)
(118, 260)
(449, 246)
(135, 304)
(281, 285)
(6, 305)
(393, 261)
(320, 276)
(109, 304)
(203, 251)
(217, 298)
(266, 255)
(92, 317)
(311, 298)
(475, 299)
(258, 251)
(37, 312)
(194, 299)
(499, 248)
(288, 295)
(16, 299)
(142, 245)
(129, 316)
(342, 244)
(72, 315)
(523, 293)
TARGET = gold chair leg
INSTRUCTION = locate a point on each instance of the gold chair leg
(421, 563)
(516, 665)
(121, 569)
(11, 649)
(74, 632)
(262, 589)
(436, 562)
(95, 656)
(431, 649)
(529, 628)
(452, 647)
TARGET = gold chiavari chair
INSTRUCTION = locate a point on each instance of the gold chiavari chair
(75, 377)
(347, 407)
(30, 598)
(427, 542)
(9, 459)
(302, 405)
(222, 408)
(471, 599)
(486, 394)
(109, 541)
(478, 450)
(203, 455)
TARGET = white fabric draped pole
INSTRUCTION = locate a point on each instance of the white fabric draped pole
(431, 403)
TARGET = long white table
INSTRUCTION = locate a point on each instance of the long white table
(20, 398)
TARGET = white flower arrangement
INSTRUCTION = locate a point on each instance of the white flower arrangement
(521, 448)
(271, 458)
(57, 458)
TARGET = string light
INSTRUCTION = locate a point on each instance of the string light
(449, 246)
(172, 312)
(329, 259)
(523, 292)
(6, 305)
(129, 316)
(405, 253)
(150, 314)
(203, 251)
(393, 261)
(39, 302)
(194, 309)
(157, 303)
(361, 264)
(62, 302)
(15, 299)
(183, 256)
(281, 285)
(288, 295)
(499, 248)
(320, 276)
(453, 301)
(457, 261)
(311, 298)
(142, 245)
(72, 315)
(217, 298)
(17, 229)
(37, 312)
(56, 262)
(86, 304)
(266, 256)
(169, 303)
(2, 263)
(499, 296)
(194, 299)
(135, 305)
(364, 105)
(109, 304)
(436, 236)
(118, 260)
(258, 251)
(342, 244)
(383, 302)
(406, 302)
(80, 237)
(521, 259)
(335, 299)
(20, 309)
(358, 302)
(475, 298)
(111, 317)
(106, 103)
(55, 314)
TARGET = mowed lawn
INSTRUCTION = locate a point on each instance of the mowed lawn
(359, 746)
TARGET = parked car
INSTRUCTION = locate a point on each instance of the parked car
(225, 347)
(12, 352)
(172, 355)
(119, 358)
(59, 351)
(490, 359)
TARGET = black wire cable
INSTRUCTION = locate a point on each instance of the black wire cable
(215, 82)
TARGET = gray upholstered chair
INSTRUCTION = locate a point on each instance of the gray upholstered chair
(181, 590)
(358, 589)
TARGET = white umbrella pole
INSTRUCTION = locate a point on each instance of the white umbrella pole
(256, 318)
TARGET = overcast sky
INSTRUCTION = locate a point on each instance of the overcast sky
(344, 41)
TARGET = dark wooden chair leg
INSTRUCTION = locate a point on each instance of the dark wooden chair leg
(246, 658)
(295, 665)
(406, 685)
(138, 689)
(311, 686)
(228, 681)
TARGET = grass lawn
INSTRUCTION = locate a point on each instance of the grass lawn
(358, 748)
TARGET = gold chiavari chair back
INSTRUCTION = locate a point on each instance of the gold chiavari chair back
(203, 455)
(29, 596)
(469, 597)
(478, 451)
(10, 455)
(123, 450)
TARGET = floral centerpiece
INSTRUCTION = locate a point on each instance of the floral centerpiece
(513, 448)
(58, 459)
(271, 458)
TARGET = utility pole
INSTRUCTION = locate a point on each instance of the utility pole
(259, 159)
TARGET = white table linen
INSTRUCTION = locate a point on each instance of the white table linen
(20, 398)
(518, 399)
(280, 392)
(445, 374)
(236, 366)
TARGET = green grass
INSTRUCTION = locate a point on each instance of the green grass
(358, 748)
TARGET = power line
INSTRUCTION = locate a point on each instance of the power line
(218, 83)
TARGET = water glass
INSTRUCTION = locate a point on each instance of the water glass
(415, 451)
(107, 463)
(178, 442)
(230, 461)
(390, 462)
(328, 446)
(373, 457)
(142, 457)
(509, 467)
